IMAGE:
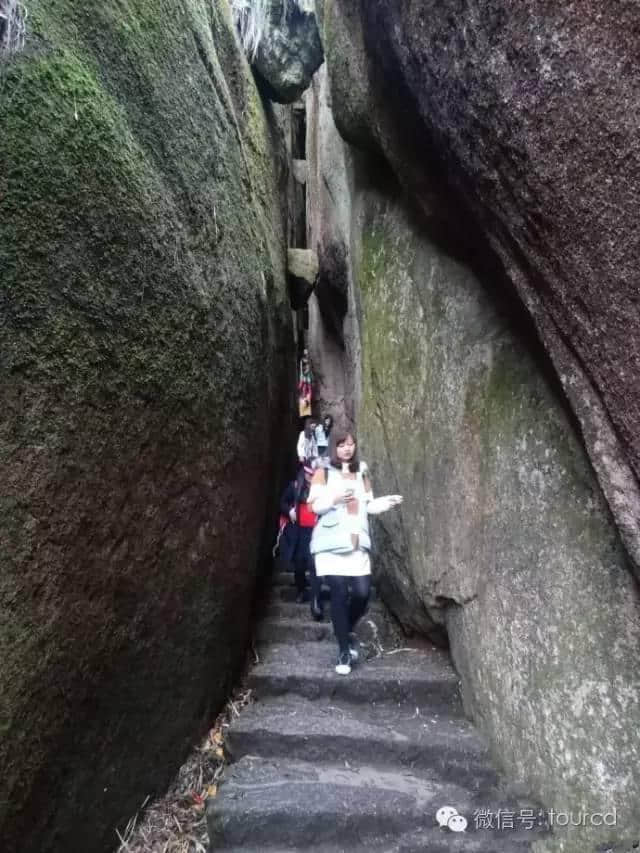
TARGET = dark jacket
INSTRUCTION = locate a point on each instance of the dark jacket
(288, 499)
(296, 492)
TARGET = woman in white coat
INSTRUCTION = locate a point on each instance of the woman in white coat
(306, 448)
(342, 498)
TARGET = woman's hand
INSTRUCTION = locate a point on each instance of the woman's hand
(383, 504)
(344, 496)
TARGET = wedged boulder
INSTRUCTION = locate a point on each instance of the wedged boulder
(332, 289)
(144, 391)
(303, 273)
(289, 51)
(519, 117)
(299, 169)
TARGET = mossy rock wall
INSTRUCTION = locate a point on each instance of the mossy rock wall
(504, 540)
(144, 386)
(511, 121)
(504, 543)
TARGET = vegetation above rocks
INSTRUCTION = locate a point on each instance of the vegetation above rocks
(252, 19)
(13, 18)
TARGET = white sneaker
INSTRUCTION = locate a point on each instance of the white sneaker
(343, 667)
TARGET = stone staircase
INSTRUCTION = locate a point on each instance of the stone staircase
(324, 762)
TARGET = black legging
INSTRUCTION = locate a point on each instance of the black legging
(347, 605)
(303, 562)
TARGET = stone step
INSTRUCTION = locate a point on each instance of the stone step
(285, 804)
(307, 669)
(278, 610)
(446, 843)
(293, 631)
(481, 842)
(290, 610)
(283, 579)
(286, 579)
(470, 841)
(285, 592)
(330, 730)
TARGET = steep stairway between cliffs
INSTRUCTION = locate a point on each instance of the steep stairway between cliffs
(325, 762)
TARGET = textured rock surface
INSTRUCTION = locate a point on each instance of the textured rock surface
(302, 270)
(504, 534)
(145, 328)
(333, 339)
(504, 540)
(527, 112)
(290, 51)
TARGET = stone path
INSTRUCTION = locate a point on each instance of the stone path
(324, 762)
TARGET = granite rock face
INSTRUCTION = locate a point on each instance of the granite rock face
(146, 334)
(504, 540)
(334, 342)
(290, 51)
(519, 120)
(505, 543)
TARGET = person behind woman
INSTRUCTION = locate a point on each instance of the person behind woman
(323, 432)
(287, 537)
(307, 448)
(342, 498)
(294, 548)
(302, 560)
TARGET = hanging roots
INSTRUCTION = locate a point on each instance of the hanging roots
(252, 19)
(13, 21)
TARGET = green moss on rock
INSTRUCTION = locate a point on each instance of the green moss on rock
(504, 534)
(146, 329)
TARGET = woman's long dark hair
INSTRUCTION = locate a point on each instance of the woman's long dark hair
(337, 437)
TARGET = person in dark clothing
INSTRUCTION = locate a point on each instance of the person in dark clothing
(297, 540)
(285, 544)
